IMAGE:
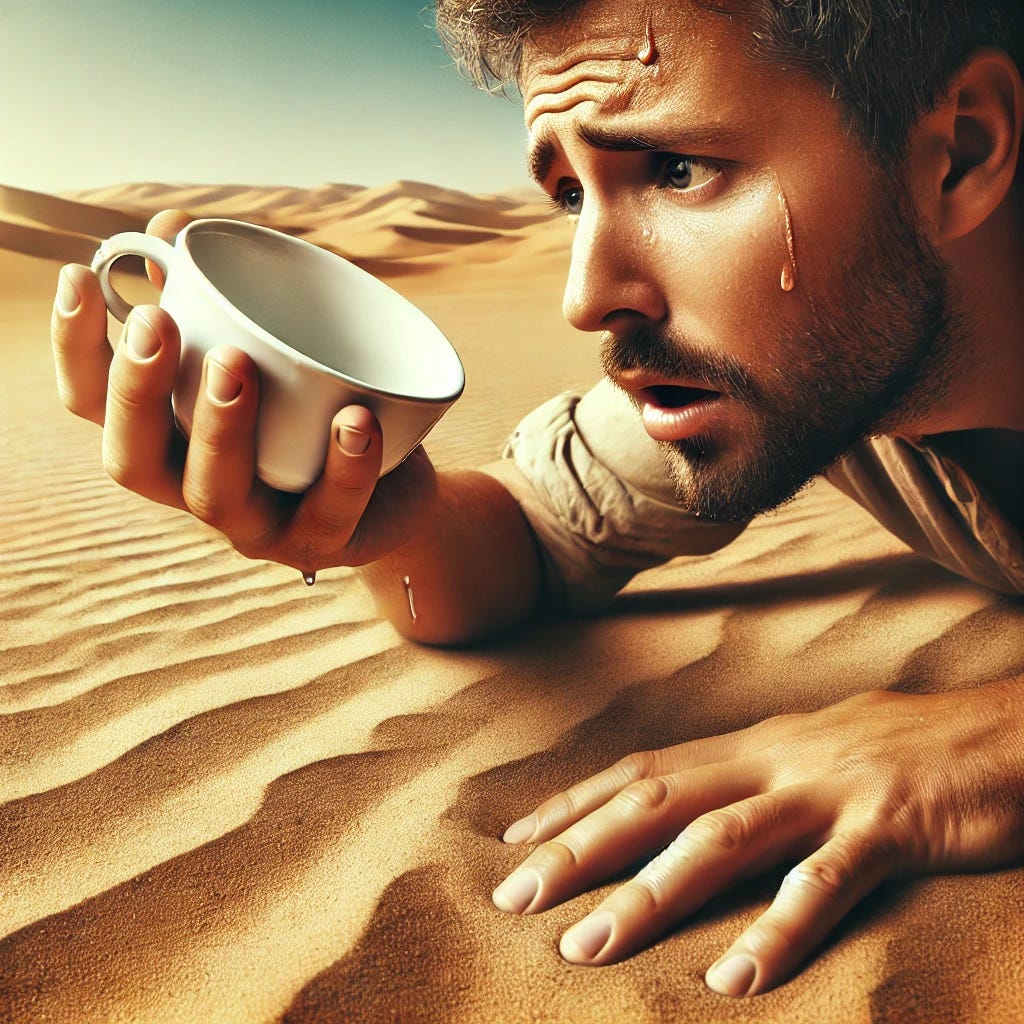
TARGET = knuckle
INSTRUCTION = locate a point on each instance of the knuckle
(657, 879)
(559, 853)
(829, 878)
(78, 405)
(875, 698)
(350, 485)
(206, 507)
(247, 547)
(769, 936)
(566, 806)
(122, 470)
(647, 890)
(326, 520)
(216, 429)
(124, 390)
(636, 766)
(645, 795)
(877, 815)
(728, 828)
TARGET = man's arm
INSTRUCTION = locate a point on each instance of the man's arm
(472, 571)
(460, 540)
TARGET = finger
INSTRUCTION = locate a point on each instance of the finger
(330, 512)
(142, 449)
(219, 484)
(813, 899)
(166, 225)
(81, 352)
(560, 811)
(642, 817)
(716, 849)
(399, 502)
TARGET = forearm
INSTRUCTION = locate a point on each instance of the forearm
(472, 570)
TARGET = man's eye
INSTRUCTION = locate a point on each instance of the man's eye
(569, 200)
(684, 172)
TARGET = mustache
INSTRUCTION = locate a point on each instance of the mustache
(661, 355)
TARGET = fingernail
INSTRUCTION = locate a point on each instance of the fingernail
(142, 341)
(732, 977)
(352, 441)
(586, 939)
(517, 892)
(68, 298)
(221, 385)
(520, 831)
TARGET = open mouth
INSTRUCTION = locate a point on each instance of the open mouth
(675, 412)
(672, 396)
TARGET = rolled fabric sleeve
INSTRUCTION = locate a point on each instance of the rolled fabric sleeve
(926, 495)
(594, 488)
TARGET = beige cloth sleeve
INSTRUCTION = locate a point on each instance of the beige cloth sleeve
(928, 498)
(594, 488)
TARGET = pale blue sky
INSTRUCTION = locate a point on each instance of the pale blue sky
(294, 92)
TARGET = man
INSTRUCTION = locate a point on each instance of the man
(798, 230)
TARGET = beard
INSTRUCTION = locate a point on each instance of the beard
(880, 350)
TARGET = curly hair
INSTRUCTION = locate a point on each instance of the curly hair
(885, 61)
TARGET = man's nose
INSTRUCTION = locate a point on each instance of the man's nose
(610, 276)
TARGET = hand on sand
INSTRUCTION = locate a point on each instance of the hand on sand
(346, 518)
(878, 786)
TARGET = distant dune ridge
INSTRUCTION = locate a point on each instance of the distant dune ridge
(227, 797)
(394, 229)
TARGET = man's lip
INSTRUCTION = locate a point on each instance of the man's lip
(695, 408)
(703, 413)
(643, 387)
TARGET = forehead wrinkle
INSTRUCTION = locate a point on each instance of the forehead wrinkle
(543, 152)
(613, 92)
(564, 58)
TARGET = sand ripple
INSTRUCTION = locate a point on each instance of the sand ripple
(226, 797)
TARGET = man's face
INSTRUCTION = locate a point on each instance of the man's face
(765, 296)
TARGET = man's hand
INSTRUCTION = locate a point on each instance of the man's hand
(346, 517)
(879, 785)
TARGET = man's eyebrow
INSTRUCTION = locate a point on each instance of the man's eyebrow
(695, 138)
(540, 159)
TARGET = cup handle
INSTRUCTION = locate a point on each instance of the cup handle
(128, 243)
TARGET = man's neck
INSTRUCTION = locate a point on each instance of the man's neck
(987, 288)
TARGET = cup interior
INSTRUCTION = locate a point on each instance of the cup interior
(328, 309)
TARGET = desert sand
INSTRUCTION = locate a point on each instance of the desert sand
(227, 797)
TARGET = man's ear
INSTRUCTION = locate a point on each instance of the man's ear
(966, 148)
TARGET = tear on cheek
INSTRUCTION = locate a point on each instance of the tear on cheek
(787, 279)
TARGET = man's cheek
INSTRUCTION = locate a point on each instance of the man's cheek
(728, 266)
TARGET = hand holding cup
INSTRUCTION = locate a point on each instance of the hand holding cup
(347, 517)
(323, 333)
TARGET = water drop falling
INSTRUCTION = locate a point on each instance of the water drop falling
(648, 55)
(786, 280)
(408, 593)
(309, 578)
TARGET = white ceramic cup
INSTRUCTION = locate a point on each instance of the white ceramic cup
(323, 333)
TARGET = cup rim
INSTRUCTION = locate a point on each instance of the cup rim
(240, 227)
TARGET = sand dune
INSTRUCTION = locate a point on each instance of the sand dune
(227, 797)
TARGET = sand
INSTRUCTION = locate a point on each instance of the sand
(227, 797)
